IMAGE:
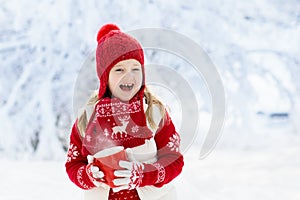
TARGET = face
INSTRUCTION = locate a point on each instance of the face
(125, 79)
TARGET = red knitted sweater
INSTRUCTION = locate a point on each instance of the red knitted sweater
(169, 160)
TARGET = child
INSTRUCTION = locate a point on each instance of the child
(126, 114)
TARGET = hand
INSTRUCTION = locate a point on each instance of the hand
(131, 176)
(94, 173)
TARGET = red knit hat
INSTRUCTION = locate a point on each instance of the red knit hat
(113, 47)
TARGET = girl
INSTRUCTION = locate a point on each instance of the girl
(124, 114)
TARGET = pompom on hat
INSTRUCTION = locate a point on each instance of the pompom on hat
(113, 47)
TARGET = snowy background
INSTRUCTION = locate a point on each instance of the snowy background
(254, 45)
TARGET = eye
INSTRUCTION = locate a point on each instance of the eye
(119, 70)
(136, 69)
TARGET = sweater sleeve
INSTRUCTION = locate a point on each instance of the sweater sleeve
(76, 163)
(169, 162)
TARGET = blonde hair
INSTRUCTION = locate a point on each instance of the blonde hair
(151, 100)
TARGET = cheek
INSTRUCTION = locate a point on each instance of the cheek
(112, 82)
(140, 78)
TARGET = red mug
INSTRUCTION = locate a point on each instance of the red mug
(108, 161)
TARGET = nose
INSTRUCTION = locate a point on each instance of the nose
(128, 74)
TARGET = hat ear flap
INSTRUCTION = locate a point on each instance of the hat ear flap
(105, 30)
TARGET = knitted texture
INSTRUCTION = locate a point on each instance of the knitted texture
(168, 165)
(124, 194)
(118, 123)
(113, 47)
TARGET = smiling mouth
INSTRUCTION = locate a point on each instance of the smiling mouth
(126, 87)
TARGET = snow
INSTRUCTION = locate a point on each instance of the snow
(262, 175)
(253, 44)
(36, 180)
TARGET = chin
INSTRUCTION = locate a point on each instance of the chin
(125, 98)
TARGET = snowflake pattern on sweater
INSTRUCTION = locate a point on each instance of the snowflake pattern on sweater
(72, 152)
(174, 142)
(168, 165)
